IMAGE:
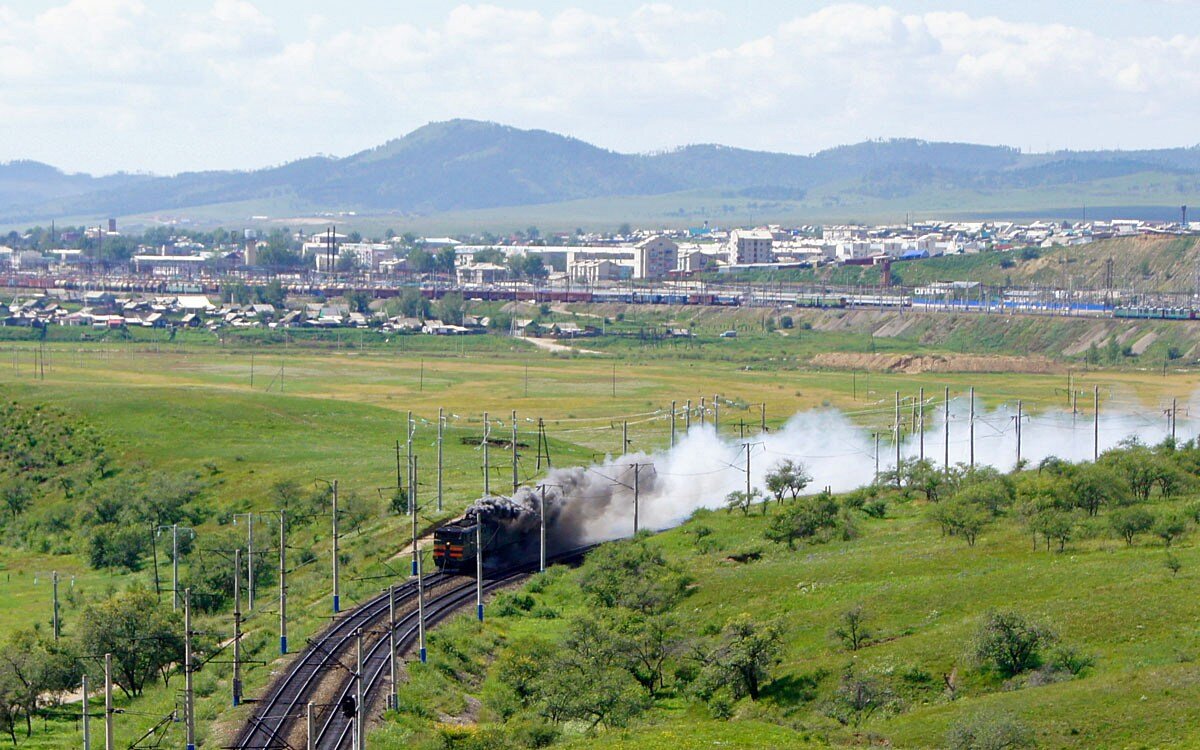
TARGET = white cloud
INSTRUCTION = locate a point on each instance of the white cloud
(224, 87)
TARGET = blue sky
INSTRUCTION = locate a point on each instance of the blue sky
(101, 85)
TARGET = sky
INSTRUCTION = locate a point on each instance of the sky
(135, 85)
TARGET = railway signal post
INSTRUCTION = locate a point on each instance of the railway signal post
(420, 610)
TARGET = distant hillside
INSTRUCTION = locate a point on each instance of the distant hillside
(463, 166)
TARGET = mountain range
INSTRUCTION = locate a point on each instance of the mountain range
(466, 165)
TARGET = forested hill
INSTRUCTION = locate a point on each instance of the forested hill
(465, 165)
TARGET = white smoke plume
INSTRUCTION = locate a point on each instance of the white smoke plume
(596, 503)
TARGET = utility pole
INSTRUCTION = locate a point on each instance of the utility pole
(896, 429)
(747, 471)
(336, 583)
(416, 565)
(1018, 433)
(310, 722)
(412, 488)
(189, 696)
(542, 530)
(487, 437)
(876, 456)
(637, 491)
(762, 424)
(237, 627)
(687, 416)
(515, 477)
(716, 414)
(1095, 423)
(1174, 408)
(946, 417)
(393, 697)
(441, 429)
(250, 561)
(54, 583)
(420, 609)
(283, 644)
(921, 422)
(624, 437)
(672, 424)
(479, 566)
(108, 704)
(702, 414)
(87, 730)
(174, 567)
(358, 689)
(972, 427)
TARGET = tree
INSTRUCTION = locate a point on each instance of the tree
(851, 629)
(633, 575)
(144, 638)
(788, 477)
(359, 302)
(113, 546)
(1009, 644)
(960, 517)
(17, 495)
(1129, 522)
(451, 308)
(648, 641)
(1093, 486)
(741, 500)
(32, 669)
(803, 520)
(413, 304)
(744, 656)
(1169, 526)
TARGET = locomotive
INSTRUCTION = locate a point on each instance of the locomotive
(455, 550)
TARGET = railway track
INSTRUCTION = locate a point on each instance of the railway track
(279, 719)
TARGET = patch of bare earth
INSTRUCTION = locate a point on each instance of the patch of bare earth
(914, 364)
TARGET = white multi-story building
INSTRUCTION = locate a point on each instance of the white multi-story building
(655, 257)
(748, 246)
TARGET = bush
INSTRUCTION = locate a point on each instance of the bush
(1001, 732)
(1009, 644)
(785, 321)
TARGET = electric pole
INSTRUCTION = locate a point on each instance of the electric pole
(189, 697)
(416, 569)
(237, 627)
(896, 429)
(87, 730)
(687, 416)
(637, 491)
(420, 609)
(336, 563)
(516, 480)
(1018, 433)
(283, 644)
(441, 429)
(54, 584)
(946, 417)
(393, 697)
(487, 438)
(1095, 423)
(921, 422)
(717, 414)
(672, 424)
(479, 566)
(972, 428)
(542, 530)
(358, 689)
(108, 704)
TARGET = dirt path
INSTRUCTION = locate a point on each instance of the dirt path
(551, 345)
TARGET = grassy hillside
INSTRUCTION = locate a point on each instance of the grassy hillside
(190, 409)
(1122, 617)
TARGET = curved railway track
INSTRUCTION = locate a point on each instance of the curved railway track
(279, 720)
